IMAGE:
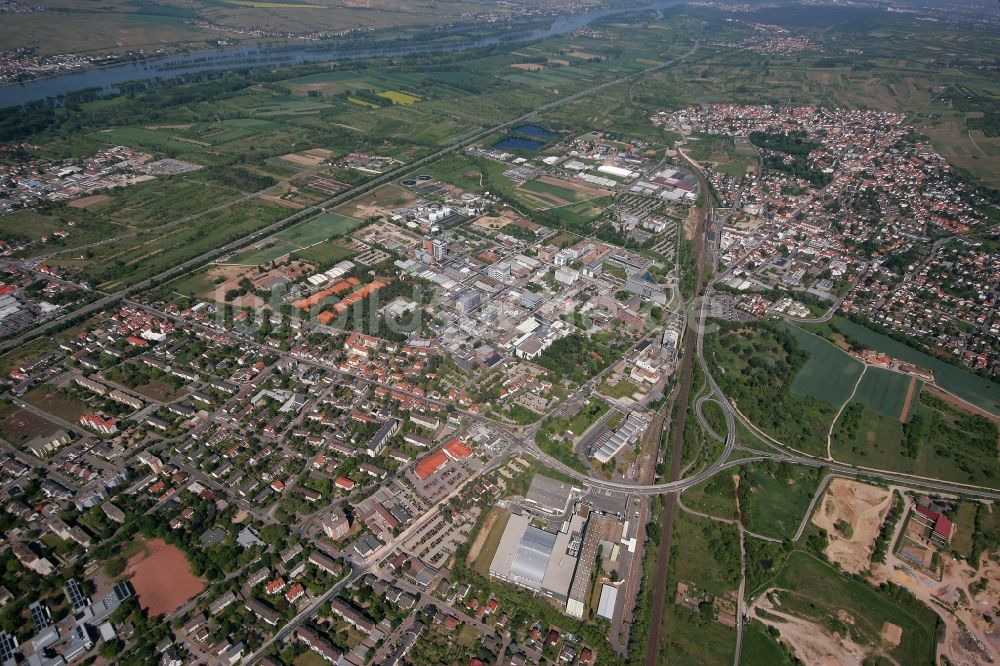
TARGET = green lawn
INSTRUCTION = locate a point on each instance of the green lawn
(622, 389)
(761, 648)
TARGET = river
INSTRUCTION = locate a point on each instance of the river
(106, 78)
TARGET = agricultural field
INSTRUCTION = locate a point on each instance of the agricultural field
(130, 260)
(548, 192)
(884, 391)
(976, 390)
(399, 97)
(830, 374)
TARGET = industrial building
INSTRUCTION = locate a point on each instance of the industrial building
(538, 560)
(548, 495)
(628, 433)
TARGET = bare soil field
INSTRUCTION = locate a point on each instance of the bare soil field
(162, 578)
(87, 202)
(586, 191)
(22, 426)
(379, 201)
(302, 159)
(496, 221)
(232, 274)
(859, 505)
(911, 393)
(281, 202)
(892, 633)
(810, 642)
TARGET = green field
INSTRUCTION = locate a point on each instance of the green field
(264, 255)
(965, 527)
(307, 240)
(760, 648)
(940, 441)
(707, 554)
(830, 373)
(399, 97)
(757, 365)
(492, 541)
(814, 590)
(883, 391)
(564, 193)
(141, 137)
(324, 226)
(977, 390)
(774, 497)
(324, 253)
(715, 497)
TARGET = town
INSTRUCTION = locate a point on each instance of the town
(530, 333)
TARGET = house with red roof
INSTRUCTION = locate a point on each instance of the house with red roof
(941, 526)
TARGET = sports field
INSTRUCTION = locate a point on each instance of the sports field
(162, 577)
(264, 255)
(303, 237)
(324, 253)
(830, 373)
(883, 391)
(324, 226)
